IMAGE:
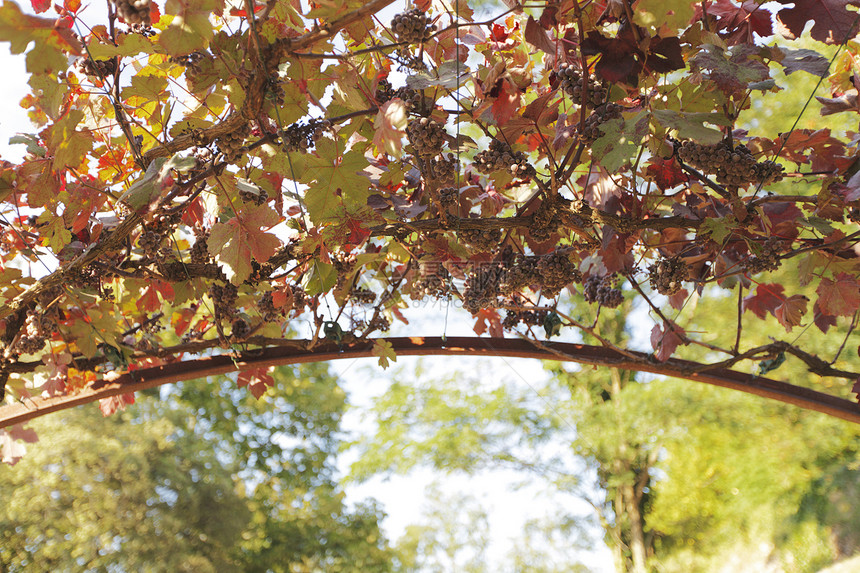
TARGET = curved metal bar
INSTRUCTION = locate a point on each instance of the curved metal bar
(434, 346)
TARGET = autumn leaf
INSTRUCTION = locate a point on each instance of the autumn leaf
(666, 339)
(109, 406)
(243, 239)
(666, 173)
(833, 22)
(489, 320)
(11, 448)
(384, 350)
(840, 297)
(766, 299)
(790, 311)
(258, 380)
(389, 127)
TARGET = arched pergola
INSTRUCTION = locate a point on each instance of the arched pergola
(296, 352)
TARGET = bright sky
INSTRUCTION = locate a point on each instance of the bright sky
(403, 497)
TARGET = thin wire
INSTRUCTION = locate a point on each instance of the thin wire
(459, 147)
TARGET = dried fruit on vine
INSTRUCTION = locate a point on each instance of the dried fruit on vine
(499, 157)
(134, 11)
(412, 26)
(482, 240)
(230, 144)
(732, 166)
(302, 136)
(602, 291)
(667, 275)
(426, 136)
(591, 130)
(571, 83)
(442, 169)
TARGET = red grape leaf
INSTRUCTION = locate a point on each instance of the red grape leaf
(765, 300)
(40, 6)
(732, 71)
(11, 451)
(845, 102)
(678, 299)
(507, 102)
(110, 405)
(856, 386)
(489, 319)
(833, 23)
(736, 24)
(665, 340)
(666, 173)
(840, 297)
(258, 380)
(791, 310)
(388, 127)
(821, 320)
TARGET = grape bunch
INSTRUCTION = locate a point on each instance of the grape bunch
(36, 328)
(134, 11)
(482, 287)
(200, 248)
(303, 136)
(601, 290)
(521, 273)
(443, 168)
(412, 26)
(435, 284)
(667, 276)
(230, 144)
(224, 299)
(735, 167)
(556, 271)
(362, 295)
(571, 84)
(768, 259)
(449, 197)
(249, 196)
(240, 329)
(500, 156)
(426, 136)
(149, 242)
(482, 240)
(527, 317)
(548, 218)
(591, 130)
(413, 100)
(97, 68)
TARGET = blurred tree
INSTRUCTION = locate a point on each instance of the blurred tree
(176, 497)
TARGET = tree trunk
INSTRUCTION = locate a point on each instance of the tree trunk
(637, 533)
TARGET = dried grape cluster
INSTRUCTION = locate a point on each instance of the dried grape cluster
(230, 144)
(303, 136)
(435, 283)
(412, 26)
(527, 317)
(224, 298)
(591, 130)
(256, 197)
(482, 287)
(486, 283)
(571, 83)
(362, 295)
(735, 167)
(601, 290)
(98, 68)
(442, 168)
(426, 136)
(449, 197)
(200, 248)
(413, 100)
(149, 242)
(240, 329)
(36, 328)
(134, 11)
(500, 156)
(667, 276)
(482, 240)
(547, 219)
(767, 259)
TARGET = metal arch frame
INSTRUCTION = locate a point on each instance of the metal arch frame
(433, 346)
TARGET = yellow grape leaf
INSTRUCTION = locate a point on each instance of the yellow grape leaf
(241, 239)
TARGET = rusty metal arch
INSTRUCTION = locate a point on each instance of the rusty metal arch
(434, 346)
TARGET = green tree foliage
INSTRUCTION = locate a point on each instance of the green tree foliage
(159, 488)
